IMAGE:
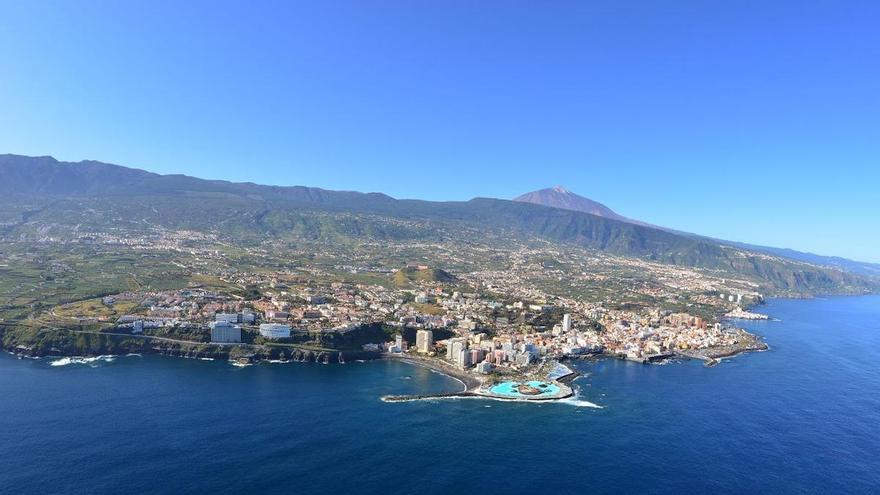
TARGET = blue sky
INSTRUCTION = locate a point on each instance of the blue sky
(753, 121)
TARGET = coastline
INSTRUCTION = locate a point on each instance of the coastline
(61, 342)
(713, 358)
(468, 381)
(474, 387)
(57, 342)
(636, 401)
(97, 345)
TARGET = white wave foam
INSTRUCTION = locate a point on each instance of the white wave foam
(91, 361)
(571, 401)
(576, 401)
(21, 356)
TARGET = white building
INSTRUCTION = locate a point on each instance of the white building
(566, 323)
(226, 317)
(224, 331)
(424, 341)
(397, 346)
(524, 358)
(275, 330)
(485, 367)
(453, 345)
(467, 324)
(463, 357)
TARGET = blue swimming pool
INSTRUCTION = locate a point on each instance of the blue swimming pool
(510, 389)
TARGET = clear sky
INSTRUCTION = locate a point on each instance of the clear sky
(756, 121)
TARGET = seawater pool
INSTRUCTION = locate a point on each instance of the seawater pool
(508, 389)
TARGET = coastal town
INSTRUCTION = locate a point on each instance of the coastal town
(488, 325)
(488, 313)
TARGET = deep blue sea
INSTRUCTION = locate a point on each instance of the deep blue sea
(803, 417)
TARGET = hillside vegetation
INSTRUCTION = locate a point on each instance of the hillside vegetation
(43, 198)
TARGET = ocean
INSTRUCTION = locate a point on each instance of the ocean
(803, 417)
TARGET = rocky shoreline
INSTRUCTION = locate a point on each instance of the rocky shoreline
(71, 343)
(711, 357)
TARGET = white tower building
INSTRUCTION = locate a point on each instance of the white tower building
(424, 341)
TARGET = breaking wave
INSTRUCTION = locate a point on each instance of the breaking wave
(91, 361)
(576, 401)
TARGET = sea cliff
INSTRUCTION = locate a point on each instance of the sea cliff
(33, 342)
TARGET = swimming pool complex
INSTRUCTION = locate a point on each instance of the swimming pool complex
(512, 389)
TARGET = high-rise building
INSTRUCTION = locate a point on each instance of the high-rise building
(424, 341)
(499, 356)
(459, 346)
(224, 331)
(566, 323)
(463, 358)
(451, 349)
(476, 355)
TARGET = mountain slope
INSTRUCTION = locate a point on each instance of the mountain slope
(859, 267)
(45, 197)
(559, 197)
(49, 177)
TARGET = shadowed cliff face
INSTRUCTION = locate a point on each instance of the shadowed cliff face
(36, 342)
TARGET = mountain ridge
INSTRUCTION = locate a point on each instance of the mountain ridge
(132, 197)
(560, 197)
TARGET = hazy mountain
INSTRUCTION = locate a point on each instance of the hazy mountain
(860, 267)
(49, 177)
(40, 195)
(559, 197)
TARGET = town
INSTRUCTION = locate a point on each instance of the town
(487, 309)
(483, 330)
